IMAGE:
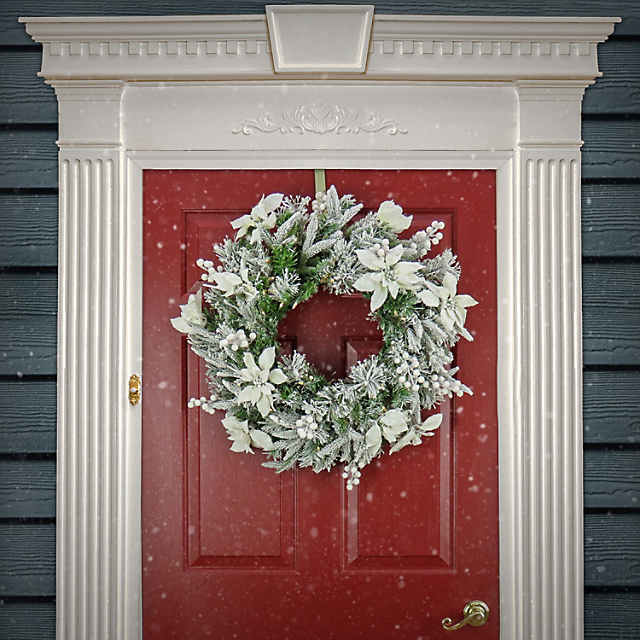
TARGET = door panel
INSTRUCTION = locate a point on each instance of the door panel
(232, 550)
(230, 524)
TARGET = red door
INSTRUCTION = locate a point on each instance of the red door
(233, 551)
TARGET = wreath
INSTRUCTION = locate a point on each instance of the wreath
(282, 254)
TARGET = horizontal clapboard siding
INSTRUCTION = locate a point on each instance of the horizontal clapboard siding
(27, 562)
(27, 488)
(611, 219)
(618, 92)
(28, 619)
(28, 410)
(28, 307)
(612, 615)
(612, 407)
(24, 98)
(29, 235)
(612, 549)
(29, 158)
(611, 479)
(611, 313)
(611, 148)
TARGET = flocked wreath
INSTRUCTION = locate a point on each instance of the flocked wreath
(283, 253)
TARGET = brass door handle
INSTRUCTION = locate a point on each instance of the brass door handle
(476, 613)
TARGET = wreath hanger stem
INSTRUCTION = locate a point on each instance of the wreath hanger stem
(321, 180)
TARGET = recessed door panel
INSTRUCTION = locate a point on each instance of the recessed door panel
(230, 524)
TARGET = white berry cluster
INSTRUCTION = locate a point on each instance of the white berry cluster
(412, 377)
(424, 239)
(434, 231)
(409, 373)
(307, 427)
(447, 385)
(208, 266)
(381, 248)
(203, 403)
(352, 475)
(238, 340)
(319, 204)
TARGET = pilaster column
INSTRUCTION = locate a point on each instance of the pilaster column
(91, 377)
(546, 445)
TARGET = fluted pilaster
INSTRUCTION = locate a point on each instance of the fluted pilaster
(90, 391)
(543, 552)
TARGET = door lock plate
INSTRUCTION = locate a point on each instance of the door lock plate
(135, 389)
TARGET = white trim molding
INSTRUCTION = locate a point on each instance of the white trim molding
(426, 92)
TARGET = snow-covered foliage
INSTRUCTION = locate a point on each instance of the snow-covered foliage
(283, 253)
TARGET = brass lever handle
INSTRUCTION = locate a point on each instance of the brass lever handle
(476, 613)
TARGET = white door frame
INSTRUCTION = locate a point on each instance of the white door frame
(403, 92)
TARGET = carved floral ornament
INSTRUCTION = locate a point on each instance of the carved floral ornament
(321, 119)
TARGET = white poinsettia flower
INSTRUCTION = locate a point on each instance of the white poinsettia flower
(394, 423)
(428, 298)
(190, 314)
(387, 274)
(242, 437)
(231, 283)
(238, 431)
(411, 437)
(262, 215)
(373, 440)
(261, 439)
(453, 307)
(414, 436)
(391, 214)
(259, 380)
(227, 282)
(430, 424)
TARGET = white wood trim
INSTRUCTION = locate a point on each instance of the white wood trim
(526, 126)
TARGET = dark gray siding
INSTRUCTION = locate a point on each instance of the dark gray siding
(28, 257)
